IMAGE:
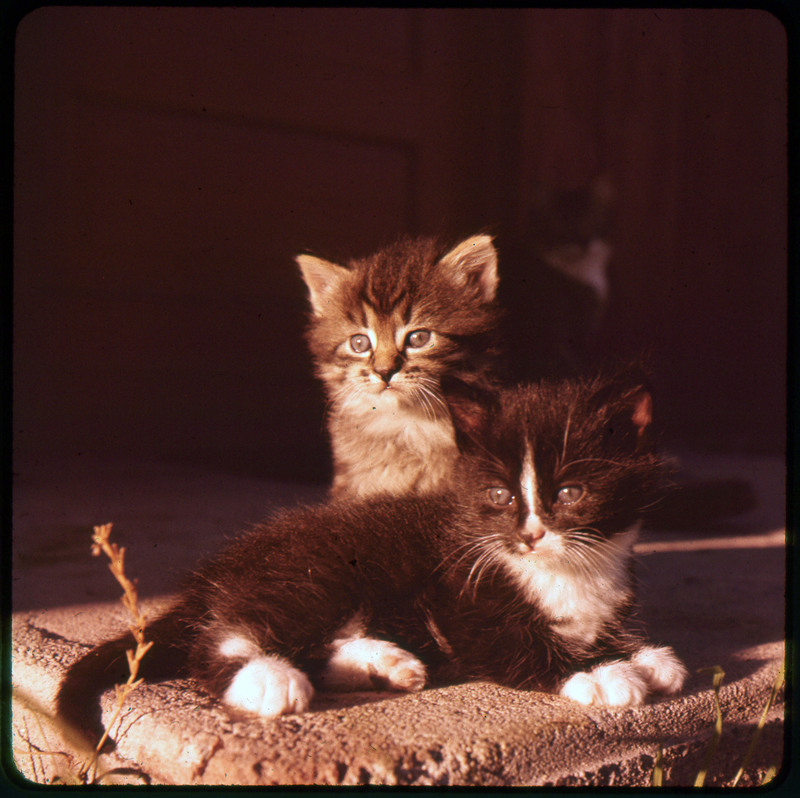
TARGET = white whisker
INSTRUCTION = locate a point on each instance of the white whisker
(566, 436)
(420, 394)
(487, 558)
(486, 548)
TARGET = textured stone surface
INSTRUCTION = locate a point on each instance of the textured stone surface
(717, 596)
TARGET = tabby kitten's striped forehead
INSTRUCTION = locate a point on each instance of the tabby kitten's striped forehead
(411, 272)
(422, 275)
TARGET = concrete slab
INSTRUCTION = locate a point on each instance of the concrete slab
(717, 595)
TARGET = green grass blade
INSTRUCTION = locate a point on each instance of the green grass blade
(776, 685)
(770, 775)
(657, 779)
(719, 675)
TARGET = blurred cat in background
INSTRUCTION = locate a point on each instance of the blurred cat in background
(556, 314)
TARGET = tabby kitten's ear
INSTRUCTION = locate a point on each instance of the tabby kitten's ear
(323, 279)
(472, 265)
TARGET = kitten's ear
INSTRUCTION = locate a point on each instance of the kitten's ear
(640, 402)
(473, 264)
(471, 410)
(630, 401)
(322, 278)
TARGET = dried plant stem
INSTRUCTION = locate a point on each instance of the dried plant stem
(101, 544)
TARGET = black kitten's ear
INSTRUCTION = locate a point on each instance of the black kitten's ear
(640, 402)
(628, 400)
(471, 409)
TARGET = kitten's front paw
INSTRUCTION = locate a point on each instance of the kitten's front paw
(612, 684)
(269, 686)
(368, 663)
(660, 668)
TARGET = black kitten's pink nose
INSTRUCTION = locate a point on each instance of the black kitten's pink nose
(531, 533)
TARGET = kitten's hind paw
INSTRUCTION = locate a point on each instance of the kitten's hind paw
(612, 684)
(660, 668)
(269, 686)
(367, 663)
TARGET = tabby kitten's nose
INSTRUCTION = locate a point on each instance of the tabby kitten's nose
(386, 374)
(386, 368)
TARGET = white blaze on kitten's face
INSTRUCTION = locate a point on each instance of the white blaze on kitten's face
(533, 530)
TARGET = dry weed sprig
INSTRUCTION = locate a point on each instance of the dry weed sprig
(101, 544)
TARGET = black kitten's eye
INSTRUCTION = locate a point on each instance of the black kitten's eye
(501, 496)
(569, 494)
(418, 338)
(359, 343)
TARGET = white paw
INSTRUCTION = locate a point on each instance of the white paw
(269, 686)
(612, 684)
(660, 668)
(367, 663)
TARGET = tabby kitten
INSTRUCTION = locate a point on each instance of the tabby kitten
(521, 575)
(385, 332)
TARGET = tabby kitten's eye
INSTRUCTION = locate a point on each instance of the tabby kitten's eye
(359, 343)
(501, 496)
(418, 338)
(569, 494)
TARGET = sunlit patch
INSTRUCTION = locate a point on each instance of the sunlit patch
(269, 686)
(368, 663)
(238, 647)
(611, 684)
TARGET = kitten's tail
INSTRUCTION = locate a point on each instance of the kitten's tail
(77, 701)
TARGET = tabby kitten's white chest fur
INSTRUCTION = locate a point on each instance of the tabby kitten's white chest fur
(386, 332)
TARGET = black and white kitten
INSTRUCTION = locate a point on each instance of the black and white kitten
(385, 332)
(520, 575)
